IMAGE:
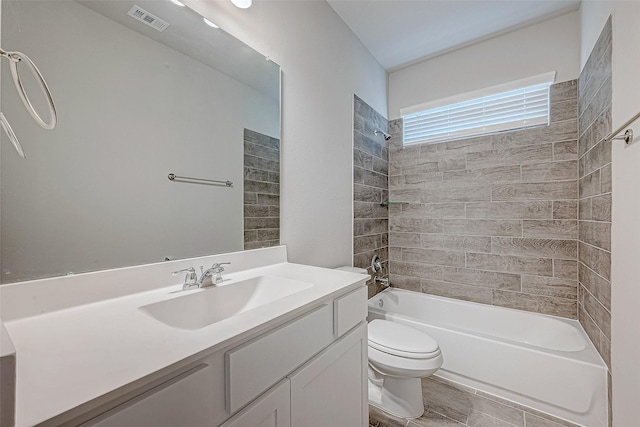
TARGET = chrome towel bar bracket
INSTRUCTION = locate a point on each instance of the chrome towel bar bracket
(628, 135)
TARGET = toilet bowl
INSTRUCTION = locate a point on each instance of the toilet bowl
(399, 356)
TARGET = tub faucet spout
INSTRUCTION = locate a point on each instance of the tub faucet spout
(384, 281)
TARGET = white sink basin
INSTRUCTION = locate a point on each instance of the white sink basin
(202, 307)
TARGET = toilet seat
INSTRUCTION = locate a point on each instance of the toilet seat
(401, 340)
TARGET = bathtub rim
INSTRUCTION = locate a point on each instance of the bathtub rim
(588, 355)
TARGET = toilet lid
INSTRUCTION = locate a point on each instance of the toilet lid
(402, 340)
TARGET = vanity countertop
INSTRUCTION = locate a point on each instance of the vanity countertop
(78, 354)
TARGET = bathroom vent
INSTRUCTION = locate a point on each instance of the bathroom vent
(147, 18)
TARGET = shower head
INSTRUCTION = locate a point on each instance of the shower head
(384, 134)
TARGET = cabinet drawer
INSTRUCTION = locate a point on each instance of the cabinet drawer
(349, 310)
(257, 365)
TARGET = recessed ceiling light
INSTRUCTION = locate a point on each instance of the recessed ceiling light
(242, 4)
(209, 23)
(177, 3)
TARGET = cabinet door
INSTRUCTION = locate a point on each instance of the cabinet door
(182, 401)
(331, 389)
(270, 410)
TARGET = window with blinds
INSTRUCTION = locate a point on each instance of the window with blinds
(515, 105)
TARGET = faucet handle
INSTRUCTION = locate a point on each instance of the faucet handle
(217, 269)
(189, 270)
(219, 265)
(191, 277)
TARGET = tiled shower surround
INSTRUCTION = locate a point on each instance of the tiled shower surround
(594, 237)
(511, 219)
(261, 190)
(492, 219)
(370, 184)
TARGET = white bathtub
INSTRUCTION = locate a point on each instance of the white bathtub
(546, 363)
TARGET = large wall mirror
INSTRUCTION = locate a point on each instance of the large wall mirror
(134, 105)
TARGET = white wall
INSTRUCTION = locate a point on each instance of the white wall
(552, 45)
(3, 140)
(323, 65)
(593, 15)
(7, 387)
(94, 194)
(625, 274)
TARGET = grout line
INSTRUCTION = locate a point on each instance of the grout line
(594, 171)
(595, 221)
(589, 101)
(551, 121)
(591, 125)
(593, 246)
(595, 298)
(595, 324)
(592, 63)
(594, 272)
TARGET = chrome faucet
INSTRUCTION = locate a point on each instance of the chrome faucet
(191, 280)
(216, 269)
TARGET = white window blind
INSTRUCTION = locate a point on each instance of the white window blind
(510, 106)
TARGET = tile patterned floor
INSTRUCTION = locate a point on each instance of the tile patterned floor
(452, 405)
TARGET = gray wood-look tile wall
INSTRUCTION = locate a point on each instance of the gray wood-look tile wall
(492, 219)
(261, 190)
(370, 188)
(594, 228)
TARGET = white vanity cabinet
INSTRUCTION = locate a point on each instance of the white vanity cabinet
(309, 371)
(329, 390)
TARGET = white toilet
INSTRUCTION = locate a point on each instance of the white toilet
(399, 356)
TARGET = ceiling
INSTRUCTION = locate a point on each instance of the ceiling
(187, 34)
(401, 32)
